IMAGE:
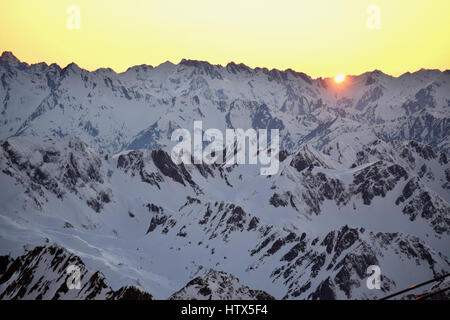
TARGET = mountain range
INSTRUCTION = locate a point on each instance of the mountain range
(87, 179)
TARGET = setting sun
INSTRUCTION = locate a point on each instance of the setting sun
(339, 78)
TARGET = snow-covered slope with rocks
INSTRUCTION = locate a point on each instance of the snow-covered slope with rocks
(141, 107)
(308, 232)
(218, 285)
(41, 273)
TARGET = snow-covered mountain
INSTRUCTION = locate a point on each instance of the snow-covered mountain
(141, 107)
(309, 232)
(41, 274)
(217, 285)
(86, 177)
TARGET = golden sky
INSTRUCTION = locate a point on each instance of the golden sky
(318, 37)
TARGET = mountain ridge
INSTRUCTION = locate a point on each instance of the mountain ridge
(8, 56)
(141, 108)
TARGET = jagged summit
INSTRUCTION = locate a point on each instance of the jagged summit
(142, 67)
(166, 64)
(8, 57)
(72, 67)
(196, 63)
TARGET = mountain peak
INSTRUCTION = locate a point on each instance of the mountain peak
(72, 67)
(166, 64)
(8, 57)
(194, 63)
(238, 67)
(374, 76)
(221, 285)
(141, 67)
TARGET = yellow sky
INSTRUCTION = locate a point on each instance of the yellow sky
(318, 37)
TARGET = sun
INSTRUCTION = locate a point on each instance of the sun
(339, 78)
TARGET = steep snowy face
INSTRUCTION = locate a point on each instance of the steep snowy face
(141, 107)
(308, 232)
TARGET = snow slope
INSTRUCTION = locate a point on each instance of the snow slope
(309, 232)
